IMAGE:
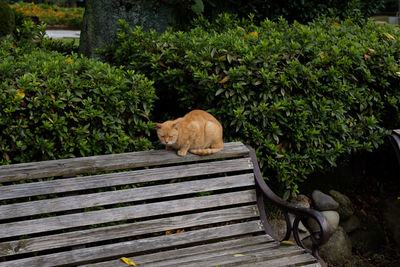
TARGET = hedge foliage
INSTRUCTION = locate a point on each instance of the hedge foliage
(55, 106)
(304, 96)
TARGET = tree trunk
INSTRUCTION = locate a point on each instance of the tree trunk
(100, 21)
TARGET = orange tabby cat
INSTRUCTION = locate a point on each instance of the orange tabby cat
(197, 132)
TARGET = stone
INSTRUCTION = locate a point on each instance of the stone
(100, 21)
(323, 201)
(338, 248)
(333, 220)
(345, 206)
(351, 224)
(392, 217)
(302, 201)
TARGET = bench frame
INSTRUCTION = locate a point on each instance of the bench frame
(68, 168)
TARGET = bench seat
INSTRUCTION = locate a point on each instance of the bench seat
(153, 207)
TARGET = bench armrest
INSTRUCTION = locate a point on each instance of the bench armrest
(318, 236)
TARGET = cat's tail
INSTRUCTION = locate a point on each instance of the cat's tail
(205, 151)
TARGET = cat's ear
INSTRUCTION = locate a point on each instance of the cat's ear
(158, 125)
(176, 126)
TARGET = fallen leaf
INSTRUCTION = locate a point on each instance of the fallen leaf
(371, 50)
(224, 80)
(128, 261)
(287, 243)
(335, 24)
(52, 96)
(6, 156)
(180, 231)
(238, 255)
(169, 232)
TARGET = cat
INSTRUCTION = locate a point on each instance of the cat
(197, 132)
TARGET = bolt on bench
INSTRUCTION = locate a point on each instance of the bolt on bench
(154, 207)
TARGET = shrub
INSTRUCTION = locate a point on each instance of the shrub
(55, 106)
(303, 95)
(7, 20)
(50, 14)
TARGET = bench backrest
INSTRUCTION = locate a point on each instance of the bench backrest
(145, 201)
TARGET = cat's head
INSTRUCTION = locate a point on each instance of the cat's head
(167, 132)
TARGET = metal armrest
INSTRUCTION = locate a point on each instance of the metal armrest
(318, 236)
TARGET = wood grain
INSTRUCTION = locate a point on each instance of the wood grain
(85, 255)
(123, 196)
(33, 170)
(124, 213)
(127, 230)
(122, 178)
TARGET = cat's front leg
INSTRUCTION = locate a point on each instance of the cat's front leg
(183, 150)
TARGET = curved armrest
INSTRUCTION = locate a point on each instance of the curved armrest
(318, 236)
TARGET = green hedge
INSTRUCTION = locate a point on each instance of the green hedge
(304, 96)
(7, 19)
(55, 106)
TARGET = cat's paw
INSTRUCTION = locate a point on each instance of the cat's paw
(181, 153)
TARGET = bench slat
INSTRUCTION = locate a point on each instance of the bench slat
(248, 257)
(127, 230)
(184, 252)
(124, 213)
(304, 260)
(127, 248)
(123, 178)
(202, 255)
(33, 170)
(123, 196)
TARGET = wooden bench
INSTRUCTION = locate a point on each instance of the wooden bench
(154, 207)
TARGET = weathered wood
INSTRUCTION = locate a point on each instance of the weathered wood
(303, 260)
(122, 178)
(264, 255)
(124, 213)
(238, 242)
(33, 170)
(85, 255)
(123, 196)
(126, 230)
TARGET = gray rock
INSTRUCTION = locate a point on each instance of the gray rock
(351, 224)
(392, 218)
(100, 21)
(338, 248)
(323, 201)
(345, 206)
(333, 220)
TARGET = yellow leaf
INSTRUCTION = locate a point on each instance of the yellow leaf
(238, 255)
(366, 57)
(254, 34)
(371, 50)
(224, 80)
(180, 231)
(128, 261)
(388, 35)
(278, 156)
(398, 73)
(69, 60)
(287, 243)
(52, 96)
(20, 94)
